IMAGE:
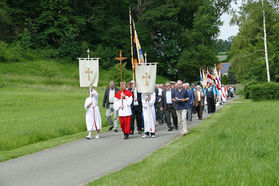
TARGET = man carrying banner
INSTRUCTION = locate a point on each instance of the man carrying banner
(122, 104)
(149, 115)
(93, 117)
(136, 109)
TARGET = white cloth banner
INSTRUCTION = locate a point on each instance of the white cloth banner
(146, 77)
(88, 71)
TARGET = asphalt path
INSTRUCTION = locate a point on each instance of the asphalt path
(82, 161)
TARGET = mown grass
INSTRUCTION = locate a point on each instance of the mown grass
(236, 146)
(36, 113)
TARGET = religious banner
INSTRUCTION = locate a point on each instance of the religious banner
(88, 71)
(146, 77)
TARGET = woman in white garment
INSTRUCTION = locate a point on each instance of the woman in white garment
(93, 116)
(149, 116)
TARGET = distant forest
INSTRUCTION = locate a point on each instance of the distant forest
(179, 34)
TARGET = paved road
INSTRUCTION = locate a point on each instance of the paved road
(80, 162)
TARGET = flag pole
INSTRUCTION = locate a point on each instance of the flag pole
(131, 36)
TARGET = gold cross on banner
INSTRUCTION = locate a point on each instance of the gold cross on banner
(88, 71)
(120, 59)
(146, 76)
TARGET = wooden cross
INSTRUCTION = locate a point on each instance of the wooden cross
(146, 76)
(88, 71)
(120, 59)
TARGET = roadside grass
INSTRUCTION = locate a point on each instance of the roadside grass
(33, 115)
(238, 145)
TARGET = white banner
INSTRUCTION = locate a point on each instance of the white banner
(88, 71)
(146, 77)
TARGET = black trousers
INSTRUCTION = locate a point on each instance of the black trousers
(136, 114)
(211, 107)
(171, 112)
(199, 110)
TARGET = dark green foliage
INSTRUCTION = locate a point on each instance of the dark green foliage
(180, 35)
(115, 74)
(264, 91)
(224, 79)
(231, 77)
(247, 50)
(10, 53)
(223, 45)
(247, 88)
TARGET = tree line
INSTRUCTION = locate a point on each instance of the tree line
(179, 34)
(247, 49)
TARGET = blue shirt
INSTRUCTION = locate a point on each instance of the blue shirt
(209, 89)
(183, 94)
(191, 98)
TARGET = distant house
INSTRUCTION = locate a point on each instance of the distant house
(224, 68)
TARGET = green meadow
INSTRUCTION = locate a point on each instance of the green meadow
(238, 145)
(37, 113)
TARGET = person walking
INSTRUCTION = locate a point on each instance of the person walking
(108, 104)
(180, 97)
(136, 109)
(190, 102)
(168, 107)
(122, 103)
(199, 101)
(93, 116)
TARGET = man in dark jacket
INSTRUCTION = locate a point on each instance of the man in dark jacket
(168, 106)
(108, 104)
(136, 107)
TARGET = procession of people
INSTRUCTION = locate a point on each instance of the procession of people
(173, 104)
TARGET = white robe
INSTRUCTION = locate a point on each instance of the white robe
(224, 94)
(126, 111)
(149, 115)
(93, 116)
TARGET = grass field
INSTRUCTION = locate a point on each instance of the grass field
(238, 145)
(37, 113)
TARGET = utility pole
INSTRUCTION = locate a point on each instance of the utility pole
(265, 45)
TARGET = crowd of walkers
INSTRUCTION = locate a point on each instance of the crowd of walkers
(173, 103)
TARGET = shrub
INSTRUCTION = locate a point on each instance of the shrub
(264, 91)
(115, 73)
(48, 69)
(9, 53)
(247, 87)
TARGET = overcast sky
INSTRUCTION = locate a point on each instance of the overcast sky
(227, 30)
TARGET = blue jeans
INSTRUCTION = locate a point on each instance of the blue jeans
(189, 114)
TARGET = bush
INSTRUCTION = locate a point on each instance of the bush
(9, 53)
(247, 87)
(264, 91)
(115, 73)
(48, 69)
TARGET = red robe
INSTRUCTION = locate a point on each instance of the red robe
(126, 112)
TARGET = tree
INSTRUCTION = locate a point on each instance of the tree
(247, 50)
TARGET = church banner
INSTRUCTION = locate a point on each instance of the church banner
(146, 77)
(88, 71)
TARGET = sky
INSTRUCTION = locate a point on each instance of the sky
(228, 30)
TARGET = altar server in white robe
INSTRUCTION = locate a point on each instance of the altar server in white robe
(93, 116)
(149, 116)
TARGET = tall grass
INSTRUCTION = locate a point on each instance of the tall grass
(30, 115)
(237, 146)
